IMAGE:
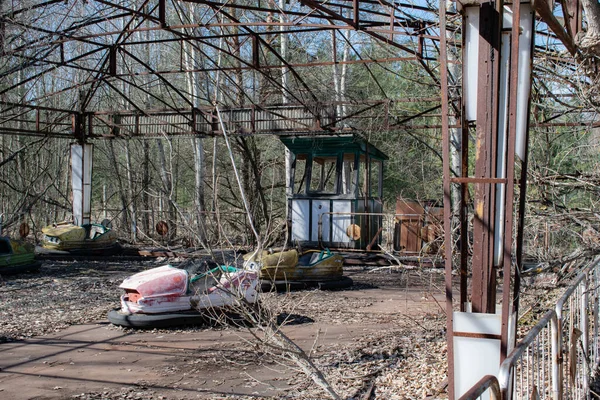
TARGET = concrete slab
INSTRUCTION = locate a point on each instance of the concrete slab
(99, 357)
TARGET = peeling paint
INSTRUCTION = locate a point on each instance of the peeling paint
(168, 289)
(67, 236)
(312, 265)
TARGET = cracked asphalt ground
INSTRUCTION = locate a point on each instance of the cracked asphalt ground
(382, 338)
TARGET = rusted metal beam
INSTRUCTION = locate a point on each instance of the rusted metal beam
(7, 106)
(521, 204)
(447, 222)
(521, 223)
(417, 115)
(507, 269)
(334, 16)
(160, 77)
(339, 119)
(112, 60)
(44, 41)
(13, 13)
(337, 17)
(369, 19)
(465, 179)
(162, 13)
(255, 52)
(270, 48)
(483, 281)
(463, 214)
(97, 79)
(329, 129)
(70, 63)
(476, 335)
(130, 11)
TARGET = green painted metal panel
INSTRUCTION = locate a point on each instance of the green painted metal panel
(332, 146)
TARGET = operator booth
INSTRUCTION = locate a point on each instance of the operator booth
(335, 198)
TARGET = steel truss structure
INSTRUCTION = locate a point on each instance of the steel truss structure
(168, 62)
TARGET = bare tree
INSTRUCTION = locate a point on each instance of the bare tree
(590, 41)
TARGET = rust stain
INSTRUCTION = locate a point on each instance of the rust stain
(478, 144)
(479, 210)
(78, 237)
(288, 266)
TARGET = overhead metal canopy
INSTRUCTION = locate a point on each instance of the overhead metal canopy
(71, 68)
(331, 145)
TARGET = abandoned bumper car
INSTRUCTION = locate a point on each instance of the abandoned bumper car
(16, 257)
(296, 269)
(88, 238)
(169, 296)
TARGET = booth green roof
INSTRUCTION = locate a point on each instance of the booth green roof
(330, 145)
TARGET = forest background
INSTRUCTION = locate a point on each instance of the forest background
(189, 180)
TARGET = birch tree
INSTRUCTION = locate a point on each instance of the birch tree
(193, 83)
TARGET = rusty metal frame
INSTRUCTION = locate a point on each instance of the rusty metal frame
(48, 49)
(483, 271)
(510, 171)
(324, 119)
(447, 218)
(221, 29)
(488, 382)
(483, 291)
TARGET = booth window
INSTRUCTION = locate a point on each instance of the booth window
(362, 172)
(323, 177)
(348, 174)
(371, 187)
(375, 181)
(300, 174)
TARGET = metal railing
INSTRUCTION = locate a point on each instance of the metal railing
(528, 372)
(557, 359)
(488, 382)
(284, 118)
(575, 366)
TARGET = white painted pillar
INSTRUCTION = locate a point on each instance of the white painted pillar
(81, 182)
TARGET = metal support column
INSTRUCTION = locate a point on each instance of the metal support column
(483, 296)
(81, 181)
(497, 104)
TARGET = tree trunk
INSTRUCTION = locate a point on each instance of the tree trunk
(252, 158)
(591, 40)
(454, 71)
(167, 184)
(198, 146)
(193, 81)
(131, 194)
(145, 185)
(114, 161)
(248, 184)
(345, 55)
(215, 193)
(288, 157)
(283, 46)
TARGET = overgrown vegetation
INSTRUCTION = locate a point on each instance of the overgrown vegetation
(211, 59)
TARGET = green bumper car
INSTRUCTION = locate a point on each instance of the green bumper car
(16, 257)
